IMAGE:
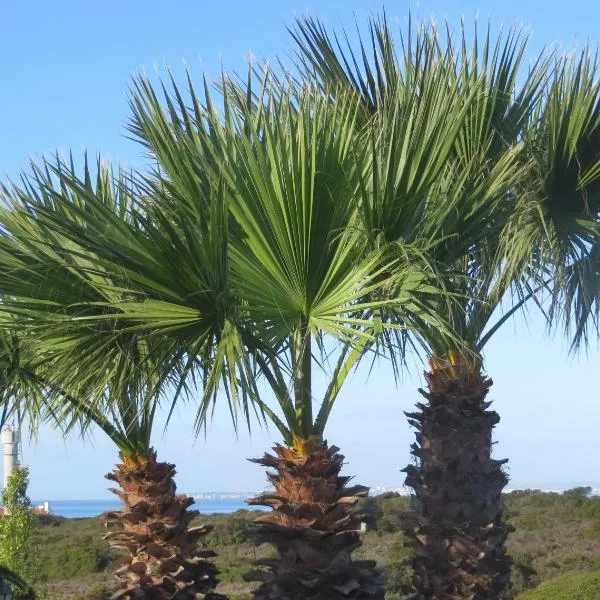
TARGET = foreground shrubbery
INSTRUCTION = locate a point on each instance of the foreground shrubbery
(18, 552)
(556, 548)
(72, 547)
(571, 586)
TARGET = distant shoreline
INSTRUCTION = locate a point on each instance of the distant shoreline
(215, 502)
(77, 508)
(374, 491)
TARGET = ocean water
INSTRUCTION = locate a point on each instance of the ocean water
(93, 508)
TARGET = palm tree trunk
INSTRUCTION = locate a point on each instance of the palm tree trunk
(460, 537)
(162, 559)
(313, 529)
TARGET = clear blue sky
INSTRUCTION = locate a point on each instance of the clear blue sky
(65, 68)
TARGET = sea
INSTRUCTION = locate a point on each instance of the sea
(229, 502)
(78, 509)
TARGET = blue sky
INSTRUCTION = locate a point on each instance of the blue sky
(65, 68)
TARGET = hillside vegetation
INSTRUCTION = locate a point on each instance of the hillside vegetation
(570, 586)
(556, 548)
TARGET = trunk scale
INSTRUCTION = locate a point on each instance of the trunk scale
(162, 558)
(460, 536)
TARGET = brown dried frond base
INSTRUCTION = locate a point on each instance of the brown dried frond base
(460, 537)
(162, 558)
(313, 529)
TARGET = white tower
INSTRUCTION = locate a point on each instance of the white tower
(11, 452)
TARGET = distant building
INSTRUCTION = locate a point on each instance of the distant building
(10, 442)
(42, 509)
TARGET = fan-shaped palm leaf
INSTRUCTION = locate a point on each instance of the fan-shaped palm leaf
(66, 288)
(509, 209)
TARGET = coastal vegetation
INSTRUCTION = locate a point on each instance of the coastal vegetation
(18, 553)
(120, 396)
(555, 549)
(359, 204)
(502, 154)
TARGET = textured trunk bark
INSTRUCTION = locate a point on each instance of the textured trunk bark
(162, 558)
(460, 537)
(313, 530)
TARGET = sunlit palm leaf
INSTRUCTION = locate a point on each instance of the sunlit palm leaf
(567, 147)
(64, 278)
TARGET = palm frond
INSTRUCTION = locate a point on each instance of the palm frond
(560, 218)
(69, 247)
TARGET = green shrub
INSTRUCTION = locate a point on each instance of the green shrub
(399, 572)
(68, 558)
(230, 530)
(591, 507)
(561, 538)
(391, 513)
(593, 531)
(233, 569)
(580, 494)
(570, 586)
(524, 575)
(17, 551)
(527, 519)
(580, 562)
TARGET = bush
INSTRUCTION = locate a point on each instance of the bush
(591, 508)
(72, 558)
(593, 531)
(524, 575)
(399, 572)
(561, 538)
(388, 513)
(17, 553)
(230, 530)
(570, 586)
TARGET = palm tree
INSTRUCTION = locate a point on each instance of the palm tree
(292, 163)
(98, 375)
(244, 256)
(511, 213)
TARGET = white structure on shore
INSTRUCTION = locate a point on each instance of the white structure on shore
(10, 442)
